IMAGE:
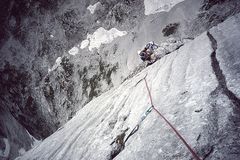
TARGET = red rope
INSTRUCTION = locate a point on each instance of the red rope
(178, 134)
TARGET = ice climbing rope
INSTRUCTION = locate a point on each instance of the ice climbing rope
(173, 128)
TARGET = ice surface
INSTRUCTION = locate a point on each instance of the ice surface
(92, 8)
(101, 36)
(155, 6)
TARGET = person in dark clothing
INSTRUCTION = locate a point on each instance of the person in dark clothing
(148, 53)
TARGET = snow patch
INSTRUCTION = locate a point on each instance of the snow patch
(58, 60)
(155, 6)
(57, 63)
(84, 44)
(101, 36)
(92, 8)
(73, 51)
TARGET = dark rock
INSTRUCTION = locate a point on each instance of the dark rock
(170, 29)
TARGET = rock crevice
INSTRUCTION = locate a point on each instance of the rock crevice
(222, 85)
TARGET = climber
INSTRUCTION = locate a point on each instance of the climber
(148, 54)
(153, 52)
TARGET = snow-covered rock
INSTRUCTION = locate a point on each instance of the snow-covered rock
(84, 44)
(187, 87)
(101, 36)
(57, 64)
(73, 51)
(92, 8)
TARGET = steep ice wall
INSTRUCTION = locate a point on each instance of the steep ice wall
(189, 87)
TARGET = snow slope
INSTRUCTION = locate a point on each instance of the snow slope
(186, 89)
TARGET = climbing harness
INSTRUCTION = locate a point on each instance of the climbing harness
(178, 134)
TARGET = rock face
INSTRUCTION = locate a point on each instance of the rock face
(43, 86)
(37, 33)
(14, 138)
(195, 87)
(40, 92)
